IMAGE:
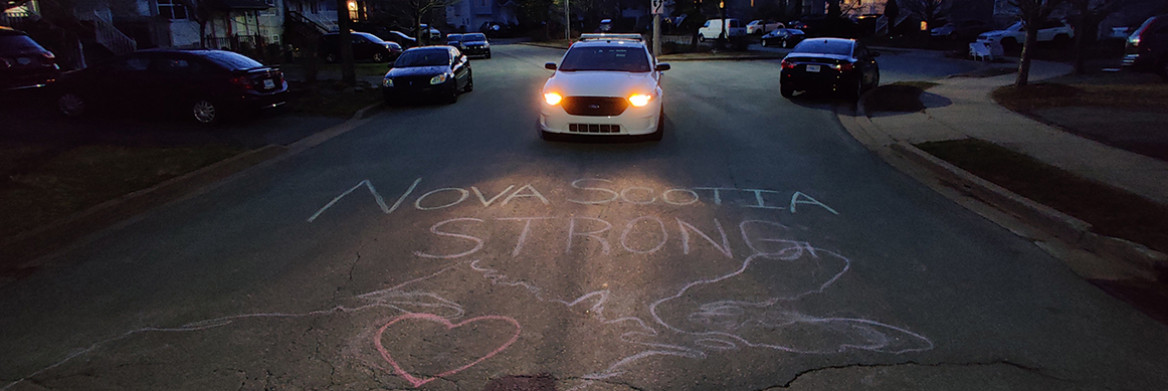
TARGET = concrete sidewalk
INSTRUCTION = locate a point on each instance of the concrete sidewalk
(962, 107)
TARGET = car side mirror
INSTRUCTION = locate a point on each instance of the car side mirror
(663, 66)
(463, 58)
(550, 65)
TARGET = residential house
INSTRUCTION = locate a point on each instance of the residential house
(470, 15)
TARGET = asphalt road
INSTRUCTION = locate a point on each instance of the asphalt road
(447, 247)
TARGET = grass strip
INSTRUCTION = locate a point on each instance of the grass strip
(1049, 95)
(79, 178)
(1110, 211)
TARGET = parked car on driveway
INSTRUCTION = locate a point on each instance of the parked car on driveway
(203, 85)
(428, 71)
(366, 47)
(1147, 47)
(965, 30)
(782, 37)
(605, 85)
(400, 38)
(712, 29)
(759, 27)
(834, 65)
(24, 64)
(1011, 38)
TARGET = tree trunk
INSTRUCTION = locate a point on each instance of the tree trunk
(1027, 53)
(345, 43)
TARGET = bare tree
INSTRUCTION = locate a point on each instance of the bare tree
(418, 9)
(1088, 13)
(929, 11)
(1033, 13)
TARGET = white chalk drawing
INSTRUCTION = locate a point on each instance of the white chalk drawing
(702, 316)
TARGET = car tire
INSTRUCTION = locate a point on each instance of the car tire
(787, 92)
(469, 83)
(488, 54)
(1061, 40)
(206, 112)
(658, 134)
(1009, 44)
(763, 43)
(72, 105)
(453, 97)
(701, 38)
(855, 91)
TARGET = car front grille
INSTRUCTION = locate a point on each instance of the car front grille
(594, 128)
(594, 105)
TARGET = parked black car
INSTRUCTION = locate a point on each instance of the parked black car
(829, 64)
(428, 71)
(1147, 47)
(366, 47)
(24, 64)
(203, 85)
(782, 37)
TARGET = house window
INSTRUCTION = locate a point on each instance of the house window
(172, 9)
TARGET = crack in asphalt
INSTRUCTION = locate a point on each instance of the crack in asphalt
(1033, 370)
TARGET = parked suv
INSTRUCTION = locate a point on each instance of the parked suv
(24, 63)
(1011, 38)
(1147, 47)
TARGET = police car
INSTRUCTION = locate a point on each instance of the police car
(605, 85)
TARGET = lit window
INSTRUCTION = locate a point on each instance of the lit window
(172, 9)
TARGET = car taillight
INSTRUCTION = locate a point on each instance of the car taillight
(788, 65)
(847, 66)
(243, 82)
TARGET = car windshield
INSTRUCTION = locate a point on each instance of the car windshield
(824, 46)
(232, 60)
(454, 37)
(606, 58)
(19, 42)
(474, 37)
(423, 58)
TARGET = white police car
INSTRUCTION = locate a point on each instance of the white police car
(606, 84)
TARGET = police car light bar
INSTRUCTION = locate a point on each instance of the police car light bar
(611, 37)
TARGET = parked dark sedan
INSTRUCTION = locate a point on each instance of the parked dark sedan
(24, 63)
(366, 47)
(428, 71)
(782, 37)
(400, 38)
(203, 85)
(829, 64)
(1147, 47)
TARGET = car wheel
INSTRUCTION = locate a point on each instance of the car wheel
(658, 134)
(787, 92)
(701, 38)
(378, 57)
(488, 54)
(71, 105)
(453, 97)
(469, 83)
(1009, 44)
(1061, 40)
(855, 91)
(764, 43)
(206, 112)
(330, 58)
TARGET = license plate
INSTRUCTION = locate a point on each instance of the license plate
(813, 68)
(269, 84)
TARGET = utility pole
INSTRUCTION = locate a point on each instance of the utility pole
(657, 7)
(567, 21)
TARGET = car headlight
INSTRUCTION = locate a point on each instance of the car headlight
(552, 98)
(486, 44)
(387, 82)
(640, 100)
(438, 79)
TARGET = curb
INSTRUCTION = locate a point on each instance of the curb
(1072, 230)
(30, 247)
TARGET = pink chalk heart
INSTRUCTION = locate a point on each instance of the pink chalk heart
(418, 382)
